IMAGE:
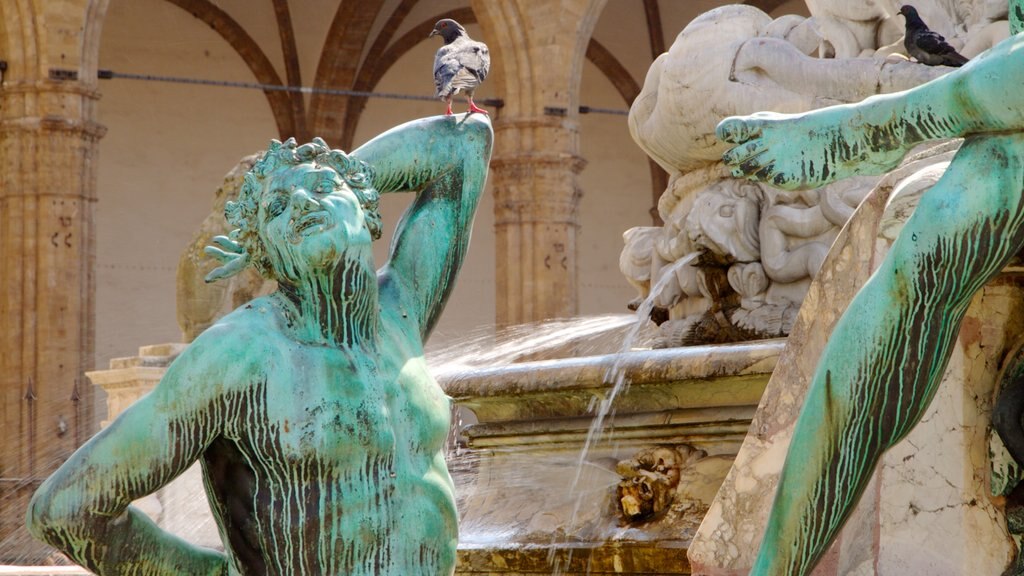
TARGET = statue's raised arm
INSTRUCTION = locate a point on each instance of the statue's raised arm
(443, 159)
(871, 137)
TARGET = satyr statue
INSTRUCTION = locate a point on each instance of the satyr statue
(319, 429)
(887, 354)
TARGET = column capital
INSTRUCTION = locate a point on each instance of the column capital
(537, 187)
(58, 87)
(46, 106)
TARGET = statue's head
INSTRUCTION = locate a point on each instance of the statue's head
(303, 207)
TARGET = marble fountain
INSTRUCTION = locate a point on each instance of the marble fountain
(662, 457)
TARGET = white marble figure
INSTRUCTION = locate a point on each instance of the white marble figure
(737, 60)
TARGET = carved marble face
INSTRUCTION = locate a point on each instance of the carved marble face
(725, 219)
(309, 219)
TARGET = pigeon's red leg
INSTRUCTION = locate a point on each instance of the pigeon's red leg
(448, 112)
(475, 108)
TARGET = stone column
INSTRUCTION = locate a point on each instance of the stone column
(535, 169)
(536, 220)
(48, 146)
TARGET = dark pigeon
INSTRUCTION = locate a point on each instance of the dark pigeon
(460, 65)
(925, 46)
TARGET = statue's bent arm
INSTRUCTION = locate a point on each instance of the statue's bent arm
(83, 509)
(444, 160)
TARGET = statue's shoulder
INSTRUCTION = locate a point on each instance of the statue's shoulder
(238, 336)
(257, 313)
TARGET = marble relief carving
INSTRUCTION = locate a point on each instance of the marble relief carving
(733, 259)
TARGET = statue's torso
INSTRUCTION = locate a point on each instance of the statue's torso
(331, 462)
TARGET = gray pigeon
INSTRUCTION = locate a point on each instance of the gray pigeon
(926, 46)
(460, 65)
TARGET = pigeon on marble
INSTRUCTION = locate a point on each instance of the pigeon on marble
(926, 46)
(460, 65)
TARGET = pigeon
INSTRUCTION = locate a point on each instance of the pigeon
(460, 65)
(925, 46)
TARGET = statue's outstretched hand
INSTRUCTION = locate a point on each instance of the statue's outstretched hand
(747, 159)
(232, 256)
(805, 151)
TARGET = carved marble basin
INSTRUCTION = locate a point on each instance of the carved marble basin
(538, 490)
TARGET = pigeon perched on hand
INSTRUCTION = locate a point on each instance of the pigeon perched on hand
(460, 65)
(925, 46)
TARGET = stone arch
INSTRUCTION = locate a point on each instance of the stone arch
(617, 74)
(95, 14)
(293, 73)
(28, 48)
(22, 40)
(251, 54)
(339, 62)
(518, 37)
(382, 56)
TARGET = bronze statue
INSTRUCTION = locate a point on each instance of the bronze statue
(319, 429)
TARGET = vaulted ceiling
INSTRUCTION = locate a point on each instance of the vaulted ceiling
(356, 56)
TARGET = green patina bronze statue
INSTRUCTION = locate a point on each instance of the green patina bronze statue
(319, 429)
(887, 354)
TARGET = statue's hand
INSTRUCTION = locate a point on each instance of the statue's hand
(806, 151)
(232, 256)
(767, 152)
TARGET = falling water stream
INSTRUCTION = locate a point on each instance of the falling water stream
(486, 347)
(616, 376)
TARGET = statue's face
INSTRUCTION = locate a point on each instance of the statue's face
(309, 219)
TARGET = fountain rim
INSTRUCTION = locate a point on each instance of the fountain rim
(640, 367)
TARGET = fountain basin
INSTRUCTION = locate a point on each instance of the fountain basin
(538, 486)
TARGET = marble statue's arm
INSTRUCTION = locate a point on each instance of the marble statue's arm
(444, 160)
(871, 137)
(83, 508)
(825, 80)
